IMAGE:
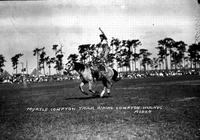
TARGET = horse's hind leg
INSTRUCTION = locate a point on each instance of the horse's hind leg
(81, 88)
(103, 92)
(109, 85)
(104, 81)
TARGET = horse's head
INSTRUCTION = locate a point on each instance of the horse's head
(75, 66)
(68, 66)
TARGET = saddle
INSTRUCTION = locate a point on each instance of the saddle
(95, 74)
(98, 72)
(101, 68)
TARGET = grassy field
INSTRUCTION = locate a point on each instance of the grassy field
(150, 108)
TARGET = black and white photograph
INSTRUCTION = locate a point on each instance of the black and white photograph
(99, 69)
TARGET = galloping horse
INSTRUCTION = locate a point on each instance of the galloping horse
(90, 75)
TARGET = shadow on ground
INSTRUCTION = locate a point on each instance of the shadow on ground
(86, 98)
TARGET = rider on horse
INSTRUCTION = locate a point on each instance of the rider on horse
(101, 60)
(100, 57)
(104, 46)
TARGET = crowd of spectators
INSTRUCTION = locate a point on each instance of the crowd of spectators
(20, 78)
(158, 73)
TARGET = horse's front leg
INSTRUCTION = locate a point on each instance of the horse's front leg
(81, 88)
(90, 88)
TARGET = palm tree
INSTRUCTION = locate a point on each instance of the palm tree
(122, 55)
(145, 58)
(115, 42)
(135, 43)
(119, 62)
(59, 64)
(167, 44)
(36, 52)
(119, 57)
(154, 64)
(186, 61)
(127, 53)
(49, 61)
(161, 56)
(2, 61)
(136, 57)
(125, 56)
(55, 48)
(181, 46)
(58, 58)
(15, 61)
(194, 54)
(42, 60)
(149, 62)
(178, 53)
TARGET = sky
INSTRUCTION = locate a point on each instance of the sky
(25, 25)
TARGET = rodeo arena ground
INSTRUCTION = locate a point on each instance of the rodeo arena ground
(161, 106)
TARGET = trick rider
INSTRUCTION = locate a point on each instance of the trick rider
(104, 51)
(104, 47)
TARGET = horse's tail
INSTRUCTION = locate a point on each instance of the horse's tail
(115, 76)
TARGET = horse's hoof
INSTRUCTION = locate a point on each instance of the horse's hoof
(95, 95)
(85, 93)
(101, 95)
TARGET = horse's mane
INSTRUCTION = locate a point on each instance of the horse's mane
(79, 66)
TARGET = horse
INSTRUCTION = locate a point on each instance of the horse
(90, 75)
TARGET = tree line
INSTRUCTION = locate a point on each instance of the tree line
(171, 55)
(42, 60)
(125, 54)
